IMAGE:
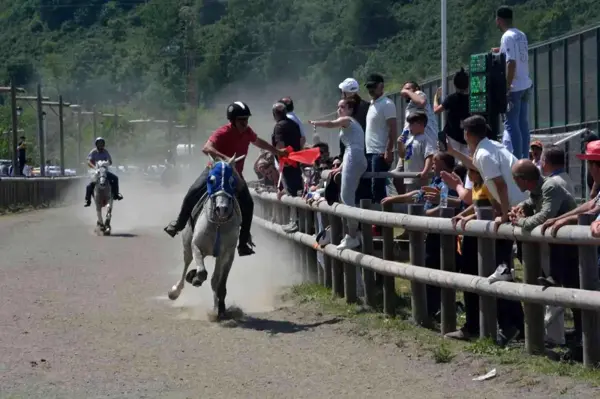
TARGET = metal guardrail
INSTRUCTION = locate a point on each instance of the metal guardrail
(36, 191)
(339, 271)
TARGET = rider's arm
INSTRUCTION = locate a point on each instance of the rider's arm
(90, 160)
(263, 145)
(209, 149)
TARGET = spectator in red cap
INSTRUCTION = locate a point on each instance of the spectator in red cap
(592, 156)
(536, 147)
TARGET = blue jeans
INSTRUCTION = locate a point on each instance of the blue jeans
(516, 122)
(376, 163)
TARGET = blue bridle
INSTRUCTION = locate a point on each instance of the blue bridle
(221, 181)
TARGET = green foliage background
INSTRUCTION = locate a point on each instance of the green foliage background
(137, 54)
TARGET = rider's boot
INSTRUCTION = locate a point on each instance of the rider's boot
(245, 249)
(172, 228)
(118, 197)
(245, 244)
(88, 194)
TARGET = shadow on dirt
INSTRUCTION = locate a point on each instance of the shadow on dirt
(238, 319)
(123, 235)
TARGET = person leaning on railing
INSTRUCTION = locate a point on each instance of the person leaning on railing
(494, 163)
(592, 156)
(547, 199)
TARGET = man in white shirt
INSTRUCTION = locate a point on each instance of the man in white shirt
(515, 47)
(494, 162)
(380, 134)
(289, 106)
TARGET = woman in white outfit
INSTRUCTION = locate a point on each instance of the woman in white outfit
(354, 162)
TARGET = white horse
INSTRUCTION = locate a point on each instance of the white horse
(214, 233)
(102, 196)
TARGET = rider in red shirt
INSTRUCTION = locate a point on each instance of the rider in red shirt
(231, 139)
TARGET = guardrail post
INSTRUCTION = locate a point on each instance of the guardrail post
(534, 313)
(350, 280)
(417, 258)
(448, 263)
(389, 282)
(337, 279)
(486, 254)
(311, 255)
(320, 268)
(327, 261)
(588, 280)
(300, 249)
(368, 276)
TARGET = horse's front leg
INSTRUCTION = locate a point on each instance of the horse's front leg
(187, 260)
(100, 222)
(109, 209)
(219, 281)
(201, 274)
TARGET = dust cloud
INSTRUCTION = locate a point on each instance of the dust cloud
(255, 281)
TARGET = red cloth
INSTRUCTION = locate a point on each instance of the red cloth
(229, 141)
(306, 157)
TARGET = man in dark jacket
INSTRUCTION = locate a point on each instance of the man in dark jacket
(287, 133)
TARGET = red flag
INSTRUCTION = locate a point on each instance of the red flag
(307, 157)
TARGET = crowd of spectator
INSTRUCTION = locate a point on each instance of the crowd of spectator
(520, 182)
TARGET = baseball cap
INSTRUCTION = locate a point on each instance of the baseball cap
(536, 143)
(592, 152)
(373, 80)
(349, 85)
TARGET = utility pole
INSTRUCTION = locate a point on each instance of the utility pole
(61, 128)
(40, 118)
(94, 122)
(15, 128)
(79, 128)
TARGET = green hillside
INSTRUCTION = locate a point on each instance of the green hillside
(140, 54)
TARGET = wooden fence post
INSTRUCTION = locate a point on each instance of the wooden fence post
(486, 254)
(534, 313)
(448, 263)
(327, 261)
(368, 276)
(311, 255)
(417, 258)
(588, 280)
(389, 282)
(337, 278)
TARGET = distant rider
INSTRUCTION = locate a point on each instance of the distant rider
(100, 154)
(231, 139)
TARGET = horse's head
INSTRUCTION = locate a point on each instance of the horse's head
(101, 173)
(221, 186)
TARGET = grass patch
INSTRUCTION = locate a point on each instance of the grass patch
(402, 332)
(442, 353)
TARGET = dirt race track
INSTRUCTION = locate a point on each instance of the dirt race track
(87, 317)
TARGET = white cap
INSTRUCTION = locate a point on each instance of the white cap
(349, 85)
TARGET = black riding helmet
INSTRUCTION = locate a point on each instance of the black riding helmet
(238, 109)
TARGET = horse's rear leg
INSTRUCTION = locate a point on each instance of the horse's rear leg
(187, 260)
(219, 284)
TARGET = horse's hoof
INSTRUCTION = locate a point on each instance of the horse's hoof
(107, 232)
(190, 276)
(174, 294)
(199, 278)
